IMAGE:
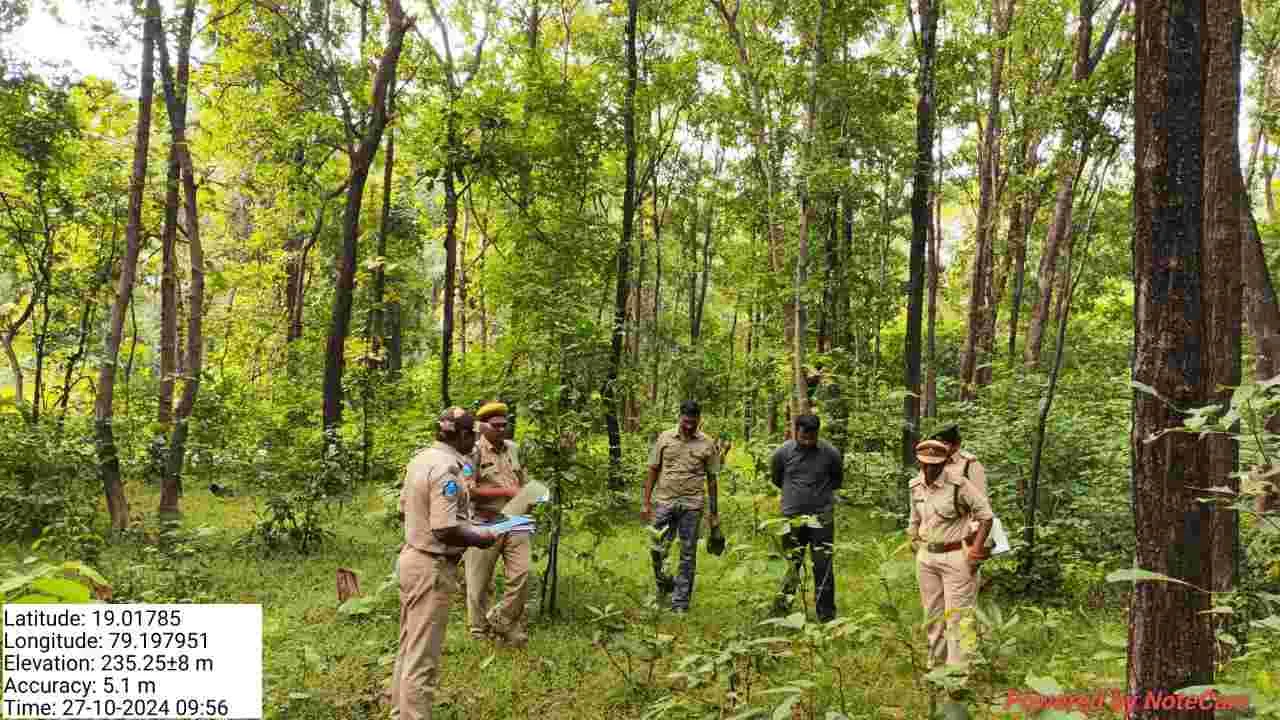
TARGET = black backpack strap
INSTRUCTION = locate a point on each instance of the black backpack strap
(966, 468)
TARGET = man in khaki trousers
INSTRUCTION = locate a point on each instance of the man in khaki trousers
(499, 477)
(436, 510)
(942, 506)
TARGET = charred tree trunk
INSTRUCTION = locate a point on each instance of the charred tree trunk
(361, 161)
(624, 251)
(108, 461)
(1171, 641)
(925, 112)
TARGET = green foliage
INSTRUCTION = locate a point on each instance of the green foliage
(34, 581)
(48, 487)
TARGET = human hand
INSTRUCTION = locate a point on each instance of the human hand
(646, 513)
(714, 519)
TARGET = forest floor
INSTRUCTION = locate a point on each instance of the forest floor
(319, 663)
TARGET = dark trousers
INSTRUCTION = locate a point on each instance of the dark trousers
(819, 540)
(668, 522)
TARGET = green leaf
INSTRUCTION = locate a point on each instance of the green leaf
(34, 599)
(783, 711)
(1044, 685)
(80, 568)
(487, 661)
(63, 589)
(1139, 575)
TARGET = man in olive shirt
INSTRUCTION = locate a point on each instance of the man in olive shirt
(809, 471)
(942, 506)
(498, 478)
(437, 529)
(681, 460)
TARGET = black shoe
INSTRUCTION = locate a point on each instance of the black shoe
(666, 585)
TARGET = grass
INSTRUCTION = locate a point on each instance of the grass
(319, 663)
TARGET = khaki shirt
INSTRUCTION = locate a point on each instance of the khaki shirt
(682, 467)
(434, 497)
(936, 516)
(495, 468)
(977, 473)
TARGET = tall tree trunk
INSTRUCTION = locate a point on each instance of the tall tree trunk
(925, 111)
(932, 261)
(1170, 637)
(463, 298)
(175, 97)
(801, 277)
(1223, 237)
(624, 251)
(168, 291)
(450, 267)
(1071, 164)
(103, 410)
(657, 295)
(361, 161)
(980, 292)
(377, 310)
(1022, 216)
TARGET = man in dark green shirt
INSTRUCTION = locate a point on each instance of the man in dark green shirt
(809, 471)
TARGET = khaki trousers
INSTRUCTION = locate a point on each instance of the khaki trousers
(948, 589)
(516, 552)
(427, 583)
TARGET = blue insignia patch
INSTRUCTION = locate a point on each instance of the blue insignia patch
(467, 470)
(450, 488)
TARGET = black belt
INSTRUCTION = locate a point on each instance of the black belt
(944, 547)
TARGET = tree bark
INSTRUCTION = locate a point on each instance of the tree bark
(10, 333)
(1170, 638)
(624, 250)
(168, 286)
(980, 284)
(103, 409)
(377, 311)
(361, 161)
(934, 270)
(1022, 215)
(1223, 237)
(175, 97)
(925, 112)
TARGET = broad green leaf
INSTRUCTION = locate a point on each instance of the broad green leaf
(783, 711)
(1139, 575)
(66, 590)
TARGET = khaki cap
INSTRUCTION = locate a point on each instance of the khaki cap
(932, 452)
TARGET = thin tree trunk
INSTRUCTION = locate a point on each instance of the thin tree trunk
(932, 261)
(462, 286)
(361, 161)
(925, 112)
(624, 251)
(86, 323)
(980, 294)
(1022, 215)
(103, 411)
(10, 333)
(450, 270)
(175, 96)
(168, 292)
(1259, 133)
(657, 295)
(1071, 163)
(801, 277)
(1170, 637)
(377, 311)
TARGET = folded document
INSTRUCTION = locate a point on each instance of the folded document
(512, 524)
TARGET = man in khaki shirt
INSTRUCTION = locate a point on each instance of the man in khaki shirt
(437, 529)
(499, 477)
(681, 460)
(942, 506)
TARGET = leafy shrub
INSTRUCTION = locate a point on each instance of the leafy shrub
(48, 486)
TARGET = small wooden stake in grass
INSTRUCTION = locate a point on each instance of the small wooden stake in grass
(348, 585)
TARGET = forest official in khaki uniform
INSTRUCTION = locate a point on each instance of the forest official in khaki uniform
(681, 460)
(499, 477)
(436, 507)
(942, 506)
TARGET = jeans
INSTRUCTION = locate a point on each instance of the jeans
(670, 520)
(819, 540)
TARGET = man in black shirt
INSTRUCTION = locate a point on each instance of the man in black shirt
(809, 471)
